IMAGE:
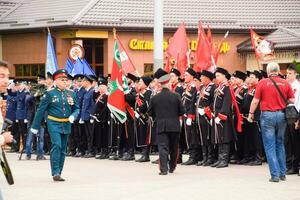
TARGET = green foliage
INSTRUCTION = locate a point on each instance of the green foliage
(297, 66)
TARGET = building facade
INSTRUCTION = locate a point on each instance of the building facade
(23, 30)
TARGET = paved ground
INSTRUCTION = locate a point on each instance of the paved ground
(89, 179)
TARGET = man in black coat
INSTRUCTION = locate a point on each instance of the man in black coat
(166, 108)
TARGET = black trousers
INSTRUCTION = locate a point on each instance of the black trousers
(71, 140)
(82, 138)
(253, 147)
(20, 136)
(168, 143)
(129, 136)
(101, 137)
(89, 132)
(292, 147)
(14, 132)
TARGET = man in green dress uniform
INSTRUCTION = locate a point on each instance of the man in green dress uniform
(62, 109)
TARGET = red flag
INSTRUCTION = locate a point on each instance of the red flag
(217, 51)
(264, 49)
(203, 51)
(116, 98)
(168, 64)
(127, 65)
(209, 36)
(178, 48)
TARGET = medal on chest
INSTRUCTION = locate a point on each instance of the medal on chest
(55, 99)
(70, 99)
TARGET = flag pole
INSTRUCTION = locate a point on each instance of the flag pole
(48, 30)
(115, 33)
(116, 38)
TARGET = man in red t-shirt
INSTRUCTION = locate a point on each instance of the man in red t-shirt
(272, 119)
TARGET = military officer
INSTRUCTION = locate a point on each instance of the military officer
(204, 107)
(88, 106)
(240, 91)
(142, 120)
(223, 131)
(101, 114)
(177, 87)
(11, 107)
(74, 138)
(129, 124)
(166, 108)
(189, 101)
(21, 112)
(253, 150)
(78, 124)
(62, 109)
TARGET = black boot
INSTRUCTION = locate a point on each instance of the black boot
(219, 157)
(210, 156)
(224, 158)
(255, 162)
(145, 155)
(144, 158)
(190, 161)
(215, 163)
(89, 155)
(204, 156)
(179, 160)
(127, 156)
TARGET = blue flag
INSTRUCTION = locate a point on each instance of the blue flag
(87, 70)
(51, 62)
(69, 66)
(79, 67)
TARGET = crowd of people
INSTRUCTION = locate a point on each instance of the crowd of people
(223, 119)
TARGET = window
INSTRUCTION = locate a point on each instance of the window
(29, 71)
(94, 54)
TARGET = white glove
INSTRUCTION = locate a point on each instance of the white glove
(17, 121)
(25, 121)
(34, 131)
(111, 115)
(201, 111)
(71, 119)
(180, 122)
(211, 122)
(217, 120)
(108, 122)
(81, 121)
(91, 121)
(188, 121)
(10, 86)
(136, 115)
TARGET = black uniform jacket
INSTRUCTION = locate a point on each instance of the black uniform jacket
(165, 108)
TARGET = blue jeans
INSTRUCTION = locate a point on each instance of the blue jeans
(39, 145)
(273, 126)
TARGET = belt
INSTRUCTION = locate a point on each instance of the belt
(280, 110)
(58, 119)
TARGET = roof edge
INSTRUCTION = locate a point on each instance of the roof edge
(83, 11)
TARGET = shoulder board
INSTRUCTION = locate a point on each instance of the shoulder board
(50, 89)
(70, 90)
